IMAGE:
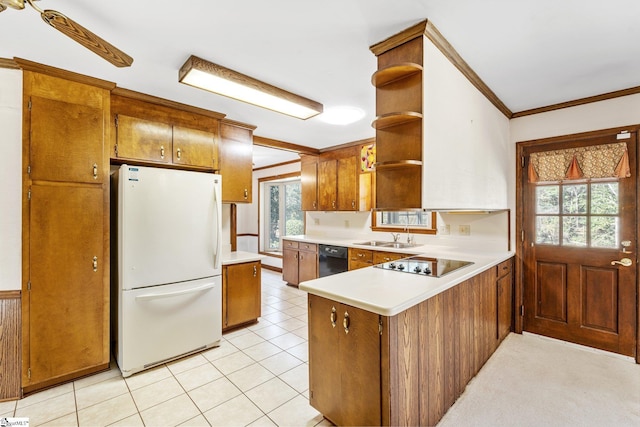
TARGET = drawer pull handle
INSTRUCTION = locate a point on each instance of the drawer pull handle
(345, 322)
(179, 153)
(333, 317)
(246, 194)
(95, 171)
(95, 263)
(162, 151)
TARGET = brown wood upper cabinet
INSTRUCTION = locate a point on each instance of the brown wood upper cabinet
(151, 141)
(65, 290)
(333, 182)
(309, 180)
(236, 164)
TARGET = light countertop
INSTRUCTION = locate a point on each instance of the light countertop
(239, 257)
(387, 292)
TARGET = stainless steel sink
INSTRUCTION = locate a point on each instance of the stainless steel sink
(396, 245)
(400, 245)
(374, 243)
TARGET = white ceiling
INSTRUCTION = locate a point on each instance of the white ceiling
(531, 53)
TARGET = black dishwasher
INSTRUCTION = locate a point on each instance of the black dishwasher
(332, 260)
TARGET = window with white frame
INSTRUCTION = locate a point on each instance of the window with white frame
(282, 215)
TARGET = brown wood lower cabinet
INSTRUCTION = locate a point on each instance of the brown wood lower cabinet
(241, 294)
(299, 262)
(344, 361)
(406, 369)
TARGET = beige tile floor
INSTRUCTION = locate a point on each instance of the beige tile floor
(258, 376)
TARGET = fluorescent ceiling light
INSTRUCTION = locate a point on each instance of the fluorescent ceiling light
(217, 79)
(341, 115)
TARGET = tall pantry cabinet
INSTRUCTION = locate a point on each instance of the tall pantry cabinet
(65, 291)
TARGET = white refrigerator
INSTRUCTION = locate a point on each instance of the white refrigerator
(168, 288)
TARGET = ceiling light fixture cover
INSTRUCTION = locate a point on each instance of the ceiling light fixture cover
(341, 115)
(215, 78)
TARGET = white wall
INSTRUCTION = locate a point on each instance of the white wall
(11, 179)
(617, 112)
(467, 154)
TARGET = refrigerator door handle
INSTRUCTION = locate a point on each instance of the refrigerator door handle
(176, 293)
(216, 227)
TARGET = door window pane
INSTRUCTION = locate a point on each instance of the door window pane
(574, 199)
(574, 230)
(604, 232)
(589, 216)
(548, 199)
(548, 230)
(604, 198)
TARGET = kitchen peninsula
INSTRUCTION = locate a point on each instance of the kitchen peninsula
(387, 347)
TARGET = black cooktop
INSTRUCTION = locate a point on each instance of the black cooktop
(425, 266)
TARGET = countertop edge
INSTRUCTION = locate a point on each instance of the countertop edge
(382, 306)
(239, 257)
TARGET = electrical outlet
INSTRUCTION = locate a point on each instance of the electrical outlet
(464, 230)
(444, 229)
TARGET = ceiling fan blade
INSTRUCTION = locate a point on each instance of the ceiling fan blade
(86, 38)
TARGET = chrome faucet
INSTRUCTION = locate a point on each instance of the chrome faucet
(409, 235)
(396, 236)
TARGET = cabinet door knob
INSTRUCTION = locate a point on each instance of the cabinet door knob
(162, 151)
(333, 317)
(95, 171)
(345, 322)
(353, 204)
(179, 153)
(315, 204)
(95, 263)
(246, 194)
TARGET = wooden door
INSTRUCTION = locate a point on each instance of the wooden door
(67, 141)
(324, 357)
(290, 266)
(327, 185)
(575, 232)
(192, 147)
(243, 293)
(360, 367)
(505, 305)
(307, 266)
(140, 139)
(236, 156)
(347, 176)
(309, 182)
(67, 301)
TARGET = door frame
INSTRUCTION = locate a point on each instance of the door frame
(520, 173)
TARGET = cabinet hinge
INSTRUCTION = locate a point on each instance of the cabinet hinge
(29, 195)
(29, 373)
(522, 236)
(116, 120)
(380, 325)
(29, 104)
(29, 169)
(522, 310)
(115, 149)
(29, 285)
(522, 161)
